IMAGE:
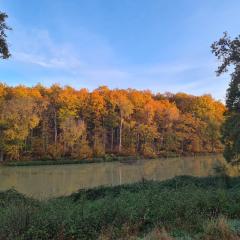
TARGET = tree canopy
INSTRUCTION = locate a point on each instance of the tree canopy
(4, 51)
(227, 51)
(56, 122)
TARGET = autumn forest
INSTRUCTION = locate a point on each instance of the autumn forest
(116, 162)
(62, 122)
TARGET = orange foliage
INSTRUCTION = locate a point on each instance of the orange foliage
(63, 121)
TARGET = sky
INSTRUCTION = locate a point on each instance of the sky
(160, 45)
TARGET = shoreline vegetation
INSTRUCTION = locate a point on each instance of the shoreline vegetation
(106, 158)
(186, 208)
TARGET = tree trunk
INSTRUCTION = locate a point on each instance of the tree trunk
(138, 142)
(31, 138)
(64, 148)
(104, 139)
(55, 126)
(1, 155)
(112, 140)
(120, 135)
(212, 145)
(182, 146)
(44, 135)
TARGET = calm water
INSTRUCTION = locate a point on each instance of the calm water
(51, 181)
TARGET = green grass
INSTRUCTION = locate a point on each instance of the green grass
(185, 207)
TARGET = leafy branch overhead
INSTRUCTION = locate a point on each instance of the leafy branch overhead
(4, 51)
(227, 51)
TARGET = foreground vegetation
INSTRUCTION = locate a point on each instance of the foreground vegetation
(180, 208)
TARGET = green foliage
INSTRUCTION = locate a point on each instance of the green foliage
(183, 206)
(227, 51)
(231, 137)
(4, 51)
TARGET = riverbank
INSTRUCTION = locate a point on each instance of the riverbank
(106, 158)
(180, 208)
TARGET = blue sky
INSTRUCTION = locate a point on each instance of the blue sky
(161, 45)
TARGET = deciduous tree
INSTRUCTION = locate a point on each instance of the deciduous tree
(4, 50)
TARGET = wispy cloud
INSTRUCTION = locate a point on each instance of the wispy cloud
(173, 68)
(54, 61)
(37, 47)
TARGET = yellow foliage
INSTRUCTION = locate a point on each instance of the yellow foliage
(127, 121)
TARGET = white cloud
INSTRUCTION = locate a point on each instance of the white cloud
(168, 68)
(38, 48)
(54, 61)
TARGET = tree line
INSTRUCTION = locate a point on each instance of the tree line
(62, 122)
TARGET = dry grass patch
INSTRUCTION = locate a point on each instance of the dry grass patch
(219, 230)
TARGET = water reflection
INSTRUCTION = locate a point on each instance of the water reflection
(52, 181)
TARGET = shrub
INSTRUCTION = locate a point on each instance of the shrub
(181, 205)
(219, 229)
(158, 234)
(55, 151)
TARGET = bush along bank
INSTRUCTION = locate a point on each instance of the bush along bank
(180, 208)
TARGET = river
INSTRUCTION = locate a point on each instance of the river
(43, 182)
